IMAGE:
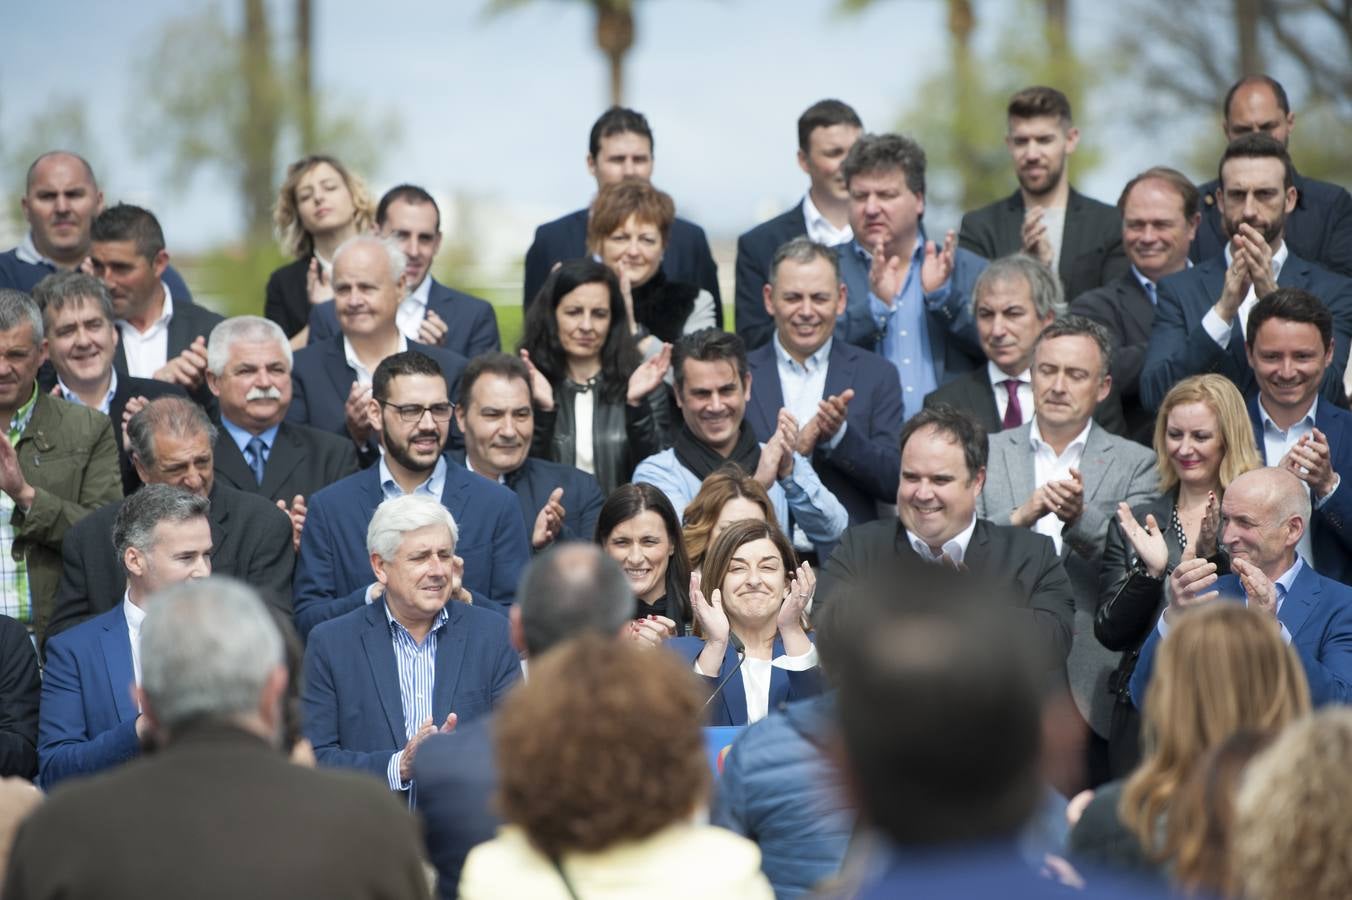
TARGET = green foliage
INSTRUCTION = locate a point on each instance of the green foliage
(232, 280)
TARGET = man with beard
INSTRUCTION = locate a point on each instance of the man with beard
(1201, 318)
(1075, 236)
(410, 404)
(1320, 227)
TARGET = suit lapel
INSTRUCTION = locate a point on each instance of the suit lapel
(734, 691)
(1094, 461)
(767, 394)
(839, 370)
(978, 548)
(779, 679)
(379, 649)
(336, 367)
(1018, 459)
(1256, 419)
(457, 480)
(283, 458)
(230, 462)
(180, 331)
(1072, 238)
(218, 514)
(115, 641)
(1300, 600)
(985, 403)
(450, 658)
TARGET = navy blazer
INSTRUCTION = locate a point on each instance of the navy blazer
(536, 480)
(755, 251)
(353, 712)
(1179, 345)
(952, 328)
(333, 561)
(687, 257)
(866, 464)
(87, 719)
(321, 380)
(730, 706)
(457, 776)
(471, 324)
(1318, 229)
(1330, 524)
(1318, 613)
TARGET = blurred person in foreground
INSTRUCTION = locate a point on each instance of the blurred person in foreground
(1292, 829)
(1223, 668)
(579, 747)
(219, 812)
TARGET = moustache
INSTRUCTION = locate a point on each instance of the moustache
(267, 393)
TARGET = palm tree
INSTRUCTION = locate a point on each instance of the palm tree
(614, 35)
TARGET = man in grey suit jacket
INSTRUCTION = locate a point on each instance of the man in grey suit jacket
(1062, 475)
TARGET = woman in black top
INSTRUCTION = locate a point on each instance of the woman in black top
(637, 527)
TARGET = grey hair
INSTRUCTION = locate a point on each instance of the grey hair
(804, 251)
(1043, 284)
(572, 589)
(1068, 326)
(148, 507)
(253, 329)
(399, 515)
(170, 415)
(396, 256)
(16, 308)
(208, 648)
(61, 289)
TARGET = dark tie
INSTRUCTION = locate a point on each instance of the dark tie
(1013, 412)
(1150, 292)
(255, 451)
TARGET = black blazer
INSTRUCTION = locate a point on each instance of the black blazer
(189, 322)
(302, 460)
(1318, 229)
(536, 480)
(755, 251)
(972, 392)
(1091, 247)
(20, 689)
(250, 537)
(288, 297)
(1123, 308)
(1023, 559)
(687, 257)
(471, 323)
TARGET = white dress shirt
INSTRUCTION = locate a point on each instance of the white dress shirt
(1054, 218)
(820, 229)
(135, 616)
(955, 548)
(756, 675)
(1277, 443)
(803, 386)
(1047, 466)
(363, 374)
(1025, 391)
(413, 309)
(1219, 330)
(148, 351)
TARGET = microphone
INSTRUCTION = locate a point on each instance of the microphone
(741, 658)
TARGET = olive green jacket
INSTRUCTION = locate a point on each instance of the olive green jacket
(68, 454)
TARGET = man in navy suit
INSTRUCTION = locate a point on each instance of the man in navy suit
(1202, 312)
(847, 401)
(1265, 514)
(60, 201)
(1290, 345)
(88, 720)
(908, 299)
(496, 416)
(567, 591)
(332, 379)
(410, 651)
(432, 313)
(826, 132)
(410, 404)
(1320, 227)
(621, 146)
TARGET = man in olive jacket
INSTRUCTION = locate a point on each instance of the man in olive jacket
(58, 463)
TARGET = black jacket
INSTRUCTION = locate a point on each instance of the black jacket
(755, 251)
(20, 688)
(622, 435)
(302, 460)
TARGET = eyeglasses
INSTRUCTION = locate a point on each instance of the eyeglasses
(412, 413)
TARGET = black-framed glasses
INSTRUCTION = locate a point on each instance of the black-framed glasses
(412, 413)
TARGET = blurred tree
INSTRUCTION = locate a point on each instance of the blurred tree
(305, 93)
(614, 35)
(62, 124)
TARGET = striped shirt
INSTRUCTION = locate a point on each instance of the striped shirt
(417, 664)
(16, 600)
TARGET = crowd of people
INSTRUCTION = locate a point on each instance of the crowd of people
(1015, 557)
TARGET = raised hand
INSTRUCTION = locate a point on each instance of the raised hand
(1311, 462)
(12, 480)
(432, 330)
(1189, 582)
(549, 521)
(318, 286)
(1260, 590)
(542, 392)
(361, 421)
(938, 265)
(1038, 504)
(1147, 540)
(1259, 254)
(1237, 283)
(425, 731)
(296, 512)
(649, 374)
(1210, 531)
(1034, 236)
(713, 622)
(652, 631)
(189, 368)
(885, 274)
(797, 599)
(1067, 497)
(134, 405)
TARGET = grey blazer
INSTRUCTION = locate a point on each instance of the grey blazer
(1114, 469)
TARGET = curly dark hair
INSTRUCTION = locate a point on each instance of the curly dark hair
(577, 745)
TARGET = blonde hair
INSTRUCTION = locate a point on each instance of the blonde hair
(1223, 667)
(730, 482)
(1232, 418)
(286, 216)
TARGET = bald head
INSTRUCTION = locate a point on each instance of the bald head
(571, 589)
(1258, 104)
(60, 156)
(1280, 490)
(1265, 513)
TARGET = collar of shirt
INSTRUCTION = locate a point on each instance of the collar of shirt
(242, 437)
(502, 479)
(1149, 286)
(27, 251)
(396, 626)
(955, 547)
(814, 362)
(820, 229)
(1283, 584)
(324, 265)
(1305, 422)
(68, 394)
(135, 615)
(997, 376)
(912, 274)
(166, 313)
(364, 376)
(413, 309)
(1035, 438)
(1278, 258)
(432, 486)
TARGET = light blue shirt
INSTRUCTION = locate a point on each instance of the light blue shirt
(803, 386)
(242, 438)
(904, 325)
(417, 664)
(432, 487)
(104, 406)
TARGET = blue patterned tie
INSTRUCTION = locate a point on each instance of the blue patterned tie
(255, 451)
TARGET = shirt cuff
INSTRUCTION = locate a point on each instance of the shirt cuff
(1337, 480)
(800, 663)
(700, 672)
(371, 592)
(1219, 331)
(840, 436)
(1163, 626)
(392, 773)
